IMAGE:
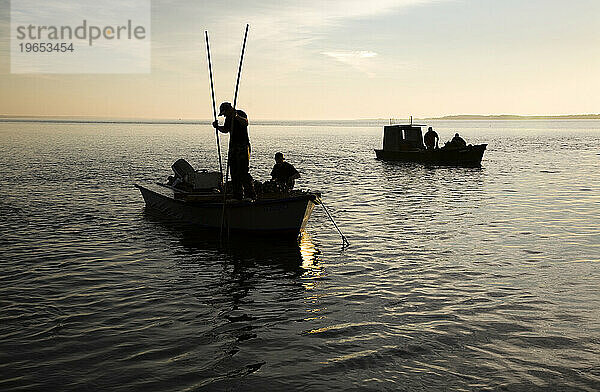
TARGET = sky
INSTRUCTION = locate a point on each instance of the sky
(345, 59)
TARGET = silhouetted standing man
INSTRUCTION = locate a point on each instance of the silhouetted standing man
(431, 139)
(236, 124)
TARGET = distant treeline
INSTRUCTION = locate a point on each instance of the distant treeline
(516, 117)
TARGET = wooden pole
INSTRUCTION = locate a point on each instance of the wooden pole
(237, 83)
(212, 93)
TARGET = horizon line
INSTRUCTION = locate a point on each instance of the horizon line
(97, 118)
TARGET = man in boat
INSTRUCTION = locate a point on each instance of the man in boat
(431, 139)
(458, 142)
(236, 124)
(284, 173)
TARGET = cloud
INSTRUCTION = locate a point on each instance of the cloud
(358, 60)
(302, 22)
(274, 24)
(290, 36)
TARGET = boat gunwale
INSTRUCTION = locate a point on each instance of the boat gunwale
(469, 156)
(310, 196)
(438, 150)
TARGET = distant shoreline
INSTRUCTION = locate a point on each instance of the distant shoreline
(373, 121)
(516, 117)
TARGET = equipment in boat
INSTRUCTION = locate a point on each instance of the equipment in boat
(189, 180)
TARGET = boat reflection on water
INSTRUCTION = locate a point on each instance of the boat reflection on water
(299, 255)
(291, 255)
(234, 293)
(308, 253)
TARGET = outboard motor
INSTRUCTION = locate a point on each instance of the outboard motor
(194, 180)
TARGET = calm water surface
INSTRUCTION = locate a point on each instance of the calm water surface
(456, 279)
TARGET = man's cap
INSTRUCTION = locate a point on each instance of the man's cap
(224, 107)
(279, 155)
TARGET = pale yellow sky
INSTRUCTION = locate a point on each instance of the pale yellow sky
(340, 60)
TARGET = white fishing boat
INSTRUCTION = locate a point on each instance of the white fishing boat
(284, 215)
(196, 197)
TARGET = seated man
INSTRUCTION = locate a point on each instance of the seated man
(458, 142)
(431, 139)
(284, 173)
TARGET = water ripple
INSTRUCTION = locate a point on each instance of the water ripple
(456, 279)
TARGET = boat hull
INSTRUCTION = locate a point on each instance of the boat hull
(285, 216)
(468, 156)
